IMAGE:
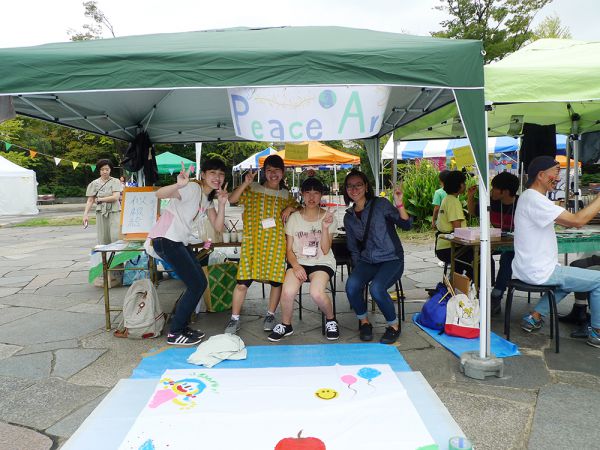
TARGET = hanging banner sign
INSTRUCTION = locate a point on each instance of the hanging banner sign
(297, 152)
(295, 114)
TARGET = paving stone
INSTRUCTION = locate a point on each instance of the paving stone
(575, 355)
(118, 362)
(528, 397)
(10, 385)
(49, 326)
(426, 277)
(13, 437)
(566, 417)
(49, 346)
(436, 364)
(490, 423)
(40, 301)
(7, 350)
(577, 379)
(19, 281)
(67, 426)
(52, 264)
(13, 313)
(36, 366)
(6, 291)
(43, 404)
(69, 361)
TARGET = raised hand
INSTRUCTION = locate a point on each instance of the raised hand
(398, 194)
(250, 175)
(222, 195)
(184, 176)
(328, 219)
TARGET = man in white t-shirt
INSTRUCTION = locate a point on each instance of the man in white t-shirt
(536, 248)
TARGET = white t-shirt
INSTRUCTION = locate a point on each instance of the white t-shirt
(176, 222)
(307, 237)
(536, 249)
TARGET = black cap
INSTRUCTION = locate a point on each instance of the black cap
(537, 165)
(312, 184)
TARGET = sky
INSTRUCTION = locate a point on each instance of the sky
(34, 22)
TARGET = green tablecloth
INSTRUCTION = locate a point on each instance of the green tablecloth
(570, 243)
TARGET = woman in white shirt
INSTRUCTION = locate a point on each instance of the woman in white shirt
(309, 233)
(171, 235)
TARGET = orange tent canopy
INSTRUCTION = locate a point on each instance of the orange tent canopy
(562, 160)
(318, 155)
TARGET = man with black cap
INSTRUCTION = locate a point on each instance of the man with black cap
(536, 248)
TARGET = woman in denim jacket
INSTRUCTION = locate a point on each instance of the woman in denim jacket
(378, 259)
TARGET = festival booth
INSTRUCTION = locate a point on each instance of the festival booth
(170, 163)
(18, 189)
(252, 162)
(313, 83)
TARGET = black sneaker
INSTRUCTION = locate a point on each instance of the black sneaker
(182, 339)
(194, 334)
(280, 331)
(332, 331)
(366, 332)
(390, 336)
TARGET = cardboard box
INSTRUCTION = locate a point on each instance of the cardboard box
(473, 233)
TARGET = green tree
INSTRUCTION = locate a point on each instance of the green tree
(502, 25)
(551, 28)
(95, 29)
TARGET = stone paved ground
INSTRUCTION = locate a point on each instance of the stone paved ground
(57, 362)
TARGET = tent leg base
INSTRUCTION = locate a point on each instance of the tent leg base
(479, 368)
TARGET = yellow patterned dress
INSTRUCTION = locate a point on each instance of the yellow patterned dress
(263, 249)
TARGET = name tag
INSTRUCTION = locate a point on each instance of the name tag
(307, 250)
(269, 222)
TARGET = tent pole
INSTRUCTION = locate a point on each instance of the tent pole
(395, 163)
(576, 149)
(198, 156)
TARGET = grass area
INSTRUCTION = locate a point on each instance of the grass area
(53, 222)
(417, 236)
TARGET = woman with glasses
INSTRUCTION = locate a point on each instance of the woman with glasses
(376, 251)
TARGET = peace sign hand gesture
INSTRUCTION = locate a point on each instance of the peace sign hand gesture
(249, 178)
(184, 176)
(328, 219)
(222, 195)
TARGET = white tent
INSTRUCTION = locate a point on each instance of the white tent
(252, 161)
(18, 189)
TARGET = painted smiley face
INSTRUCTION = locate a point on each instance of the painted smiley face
(326, 394)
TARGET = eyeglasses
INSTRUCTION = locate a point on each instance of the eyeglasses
(355, 186)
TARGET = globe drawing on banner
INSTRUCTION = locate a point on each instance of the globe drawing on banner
(327, 98)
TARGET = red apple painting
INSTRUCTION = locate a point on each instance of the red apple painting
(300, 443)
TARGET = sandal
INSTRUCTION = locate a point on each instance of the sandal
(121, 333)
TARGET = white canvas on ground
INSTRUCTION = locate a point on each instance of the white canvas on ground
(325, 408)
(18, 189)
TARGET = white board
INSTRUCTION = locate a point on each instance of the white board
(343, 407)
(139, 211)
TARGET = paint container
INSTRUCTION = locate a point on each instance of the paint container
(234, 236)
(459, 443)
(226, 237)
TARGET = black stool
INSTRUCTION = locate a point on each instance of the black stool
(518, 285)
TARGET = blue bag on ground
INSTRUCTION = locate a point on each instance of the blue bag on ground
(140, 262)
(433, 313)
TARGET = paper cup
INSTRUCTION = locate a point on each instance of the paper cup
(226, 237)
(239, 236)
(234, 236)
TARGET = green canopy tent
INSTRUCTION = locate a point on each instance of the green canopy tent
(168, 162)
(175, 86)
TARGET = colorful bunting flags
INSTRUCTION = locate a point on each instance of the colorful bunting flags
(57, 161)
(93, 167)
(8, 145)
(32, 153)
(75, 164)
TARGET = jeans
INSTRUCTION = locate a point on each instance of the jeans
(382, 276)
(504, 271)
(184, 262)
(584, 263)
(573, 279)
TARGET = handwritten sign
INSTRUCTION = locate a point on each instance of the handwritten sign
(139, 212)
(297, 152)
(464, 157)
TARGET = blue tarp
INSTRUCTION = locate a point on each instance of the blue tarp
(500, 346)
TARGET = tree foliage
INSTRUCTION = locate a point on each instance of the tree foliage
(502, 25)
(95, 29)
(551, 28)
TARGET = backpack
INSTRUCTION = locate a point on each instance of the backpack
(462, 316)
(142, 315)
(433, 313)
